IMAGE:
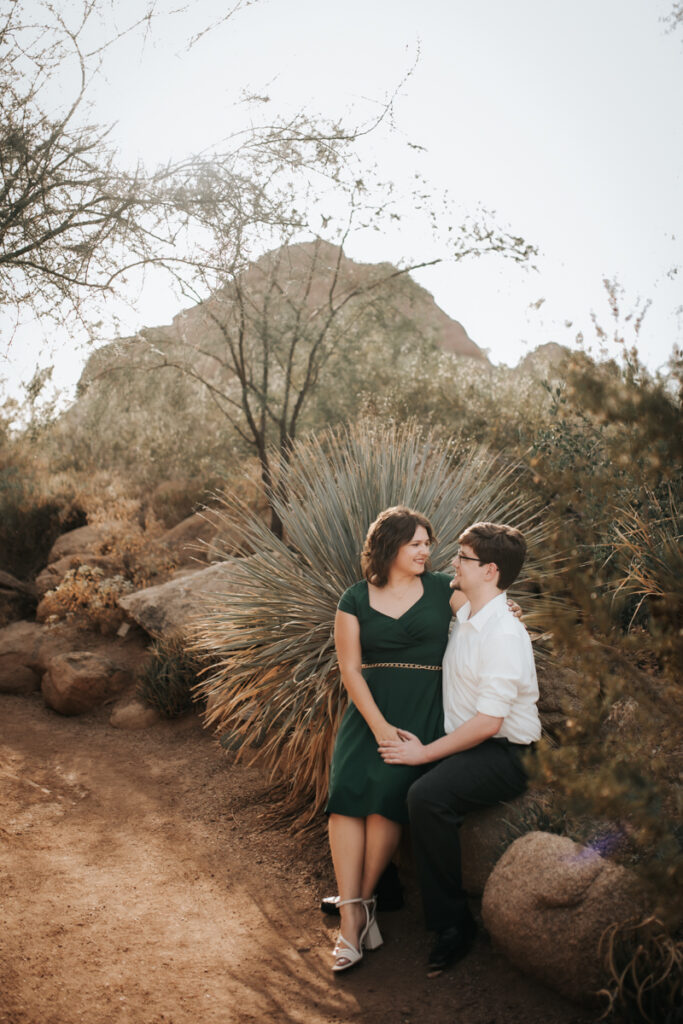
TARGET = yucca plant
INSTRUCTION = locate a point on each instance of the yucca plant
(648, 553)
(169, 676)
(274, 680)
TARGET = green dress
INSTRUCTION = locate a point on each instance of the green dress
(409, 698)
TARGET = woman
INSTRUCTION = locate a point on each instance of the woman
(390, 634)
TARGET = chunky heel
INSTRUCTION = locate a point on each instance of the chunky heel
(373, 937)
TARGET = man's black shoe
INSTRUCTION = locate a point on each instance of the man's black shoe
(452, 944)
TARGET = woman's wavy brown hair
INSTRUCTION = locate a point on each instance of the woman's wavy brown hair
(391, 529)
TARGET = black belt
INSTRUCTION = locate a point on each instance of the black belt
(510, 743)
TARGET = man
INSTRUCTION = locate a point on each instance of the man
(490, 718)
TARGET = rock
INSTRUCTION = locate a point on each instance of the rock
(167, 608)
(484, 837)
(19, 662)
(53, 574)
(75, 542)
(11, 583)
(188, 540)
(546, 904)
(133, 715)
(20, 680)
(17, 599)
(80, 681)
(28, 647)
(559, 695)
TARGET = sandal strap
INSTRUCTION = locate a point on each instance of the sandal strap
(345, 951)
(356, 899)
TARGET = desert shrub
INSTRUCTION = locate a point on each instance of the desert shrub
(614, 481)
(89, 598)
(133, 541)
(146, 426)
(276, 680)
(493, 405)
(168, 679)
(644, 964)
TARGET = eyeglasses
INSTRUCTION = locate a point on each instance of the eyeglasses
(467, 558)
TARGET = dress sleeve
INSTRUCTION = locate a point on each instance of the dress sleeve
(443, 582)
(348, 602)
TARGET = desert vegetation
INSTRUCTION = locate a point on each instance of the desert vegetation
(584, 454)
(299, 395)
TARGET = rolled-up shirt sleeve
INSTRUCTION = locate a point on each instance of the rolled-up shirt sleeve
(501, 670)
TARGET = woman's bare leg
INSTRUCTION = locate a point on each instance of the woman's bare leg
(347, 845)
(382, 836)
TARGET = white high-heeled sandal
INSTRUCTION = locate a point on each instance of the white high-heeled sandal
(373, 937)
(345, 953)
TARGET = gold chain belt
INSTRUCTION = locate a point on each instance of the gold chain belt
(401, 664)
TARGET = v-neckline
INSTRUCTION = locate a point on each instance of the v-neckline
(395, 618)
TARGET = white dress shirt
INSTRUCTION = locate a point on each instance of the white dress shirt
(489, 667)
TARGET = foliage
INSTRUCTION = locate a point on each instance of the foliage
(494, 405)
(537, 815)
(645, 968)
(74, 222)
(168, 679)
(132, 541)
(261, 343)
(614, 479)
(87, 596)
(276, 680)
(144, 427)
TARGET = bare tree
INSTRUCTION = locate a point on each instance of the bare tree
(260, 342)
(72, 221)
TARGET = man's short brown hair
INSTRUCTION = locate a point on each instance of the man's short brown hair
(498, 543)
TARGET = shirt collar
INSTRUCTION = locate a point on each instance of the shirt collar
(491, 610)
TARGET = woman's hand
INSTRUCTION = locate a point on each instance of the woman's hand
(387, 734)
(405, 749)
(515, 609)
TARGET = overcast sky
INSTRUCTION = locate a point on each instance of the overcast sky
(562, 118)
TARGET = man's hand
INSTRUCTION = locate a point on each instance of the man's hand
(407, 749)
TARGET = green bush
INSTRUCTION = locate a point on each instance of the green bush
(168, 680)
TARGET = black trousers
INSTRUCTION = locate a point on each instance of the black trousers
(485, 775)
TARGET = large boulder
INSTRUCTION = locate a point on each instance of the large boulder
(76, 542)
(27, 648)
(546, 904)
(169, 608)
(484, 837)
(80, 681)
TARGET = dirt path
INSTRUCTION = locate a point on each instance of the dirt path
(137, 885)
